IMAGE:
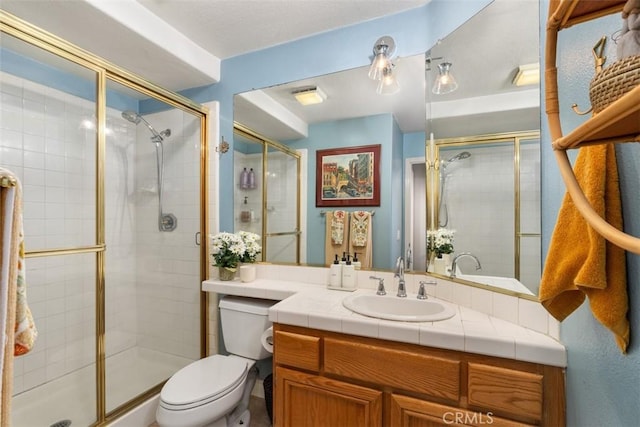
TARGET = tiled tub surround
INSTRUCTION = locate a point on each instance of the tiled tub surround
(485, 322)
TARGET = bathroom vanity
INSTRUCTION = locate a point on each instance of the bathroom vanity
(334, 367)
(329, 379)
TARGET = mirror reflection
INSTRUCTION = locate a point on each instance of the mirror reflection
(267, 196)
(489, 192)
(485, 53)
(484, 149)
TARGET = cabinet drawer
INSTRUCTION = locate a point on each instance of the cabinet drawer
(400, 369)
(299, 351)
(505, 391)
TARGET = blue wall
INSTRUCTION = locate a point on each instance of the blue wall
(351, 133)
(603, 386)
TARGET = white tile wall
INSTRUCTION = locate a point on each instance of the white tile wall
(167, 268)
(43, 141)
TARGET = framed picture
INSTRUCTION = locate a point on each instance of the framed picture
(348, 176)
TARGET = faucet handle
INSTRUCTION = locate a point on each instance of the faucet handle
(380, 280)
(422, 294)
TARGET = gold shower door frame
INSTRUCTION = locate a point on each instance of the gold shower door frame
(266, 144)
(104, 71)
(433, 180)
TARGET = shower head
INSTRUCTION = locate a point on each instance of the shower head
(131, 116)
(459, 156)
(136, 118)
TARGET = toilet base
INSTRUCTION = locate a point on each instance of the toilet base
(243, 421)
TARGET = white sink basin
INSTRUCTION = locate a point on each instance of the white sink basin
(390, 307)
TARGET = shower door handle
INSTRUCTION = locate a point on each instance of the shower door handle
(197, 238)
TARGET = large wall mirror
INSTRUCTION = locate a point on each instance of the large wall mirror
(483, 146)
(353, 115)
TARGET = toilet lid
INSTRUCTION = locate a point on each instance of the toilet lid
(203, 381)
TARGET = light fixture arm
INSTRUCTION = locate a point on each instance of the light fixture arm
(383, 51)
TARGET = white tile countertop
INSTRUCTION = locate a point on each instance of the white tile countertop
(315, 306)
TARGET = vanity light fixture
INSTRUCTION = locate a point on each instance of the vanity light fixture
(445, 82)
(310, 96)
(528, 74)
(388, 84)
(383, 50)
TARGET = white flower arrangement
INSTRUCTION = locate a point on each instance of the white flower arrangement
(229, 249)
(251, 246)
(440, 241)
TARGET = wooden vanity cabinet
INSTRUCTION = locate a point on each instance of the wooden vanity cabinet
(326, 379)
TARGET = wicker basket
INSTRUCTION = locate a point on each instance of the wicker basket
(614, 81)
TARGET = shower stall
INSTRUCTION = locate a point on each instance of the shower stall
(112, 213)
(489, 193)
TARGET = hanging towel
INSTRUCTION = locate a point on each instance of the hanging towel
(360, 237)
(580, 263)
(9, 195)
(360, 228)
(336, 220)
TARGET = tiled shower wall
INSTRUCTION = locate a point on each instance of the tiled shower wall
(168, 267)
(44, 142)
(152, 278)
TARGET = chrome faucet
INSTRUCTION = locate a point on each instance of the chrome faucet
(380, 280)
(399, 273)
(462, 255)
(422, 293)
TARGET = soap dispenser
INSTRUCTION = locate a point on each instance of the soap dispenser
(348, 275)
(343, 261)
(335, 274)
(356, 263)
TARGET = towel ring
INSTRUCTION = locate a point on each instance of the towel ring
(602, 227)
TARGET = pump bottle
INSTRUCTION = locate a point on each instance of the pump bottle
(335, 274)
(348, 275)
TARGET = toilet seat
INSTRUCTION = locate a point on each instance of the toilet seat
(203, 381)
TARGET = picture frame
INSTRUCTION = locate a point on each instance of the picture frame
(348, 177)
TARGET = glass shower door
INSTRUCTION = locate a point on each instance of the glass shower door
(152, 204)
(282, 224)
(49, 140)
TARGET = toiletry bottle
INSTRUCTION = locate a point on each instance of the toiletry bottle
(356, 263)
(343, 261)
(244, 179)
(335, 274)
(348, 275)
(252, 179)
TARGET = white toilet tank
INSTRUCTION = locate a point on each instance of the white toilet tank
(243, 322)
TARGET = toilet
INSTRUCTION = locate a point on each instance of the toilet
(215, 391)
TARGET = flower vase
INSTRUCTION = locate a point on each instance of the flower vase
(226, 274)
(247, 273)
(442, 264)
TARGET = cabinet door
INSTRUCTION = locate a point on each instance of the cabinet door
(411, 412)
(305, 400)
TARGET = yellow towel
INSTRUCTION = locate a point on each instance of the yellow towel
(581, 263)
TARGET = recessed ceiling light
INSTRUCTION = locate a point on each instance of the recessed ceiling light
(528, 74)
(310, 96)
